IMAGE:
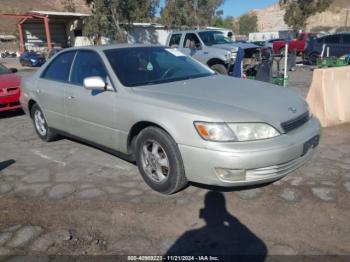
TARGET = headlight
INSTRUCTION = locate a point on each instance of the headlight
(219, 132)
(222, 132)
(234, 49)
(231, 55)
(253, 131)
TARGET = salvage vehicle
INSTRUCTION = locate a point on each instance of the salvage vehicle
(9, 89)
(338, 44)
(178, 119)
(31, 59)
(298, 44)
(211, 47)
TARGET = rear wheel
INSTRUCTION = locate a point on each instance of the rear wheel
(220, 69)
(313, 58)
(40, 125)
(159, 161)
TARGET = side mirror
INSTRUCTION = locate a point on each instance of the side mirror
(95, 83)
(13, 70)
(199, 46)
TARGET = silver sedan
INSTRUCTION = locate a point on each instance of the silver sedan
(175, 117)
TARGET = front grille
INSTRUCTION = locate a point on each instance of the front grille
(295, 122)
(8, 91)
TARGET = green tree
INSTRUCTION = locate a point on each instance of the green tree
(247, 23)
(219, 21)
(108, 16)
(189, 13)
(298, 11)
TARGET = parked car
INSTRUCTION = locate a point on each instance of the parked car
(9, 89)
(297, 44)
(339, 45)
(7, 54)
(210, 47)
(31, 59)
(268, 43)
(177, 118)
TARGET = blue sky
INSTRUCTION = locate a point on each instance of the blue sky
(237, 7)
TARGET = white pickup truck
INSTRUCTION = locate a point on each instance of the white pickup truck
(210, 47)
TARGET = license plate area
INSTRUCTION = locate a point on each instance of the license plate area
(311, 143)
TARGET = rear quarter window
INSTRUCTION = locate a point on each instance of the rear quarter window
(346, 39)
(175, 40)
(59, 68)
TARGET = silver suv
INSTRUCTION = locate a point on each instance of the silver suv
(210, 47)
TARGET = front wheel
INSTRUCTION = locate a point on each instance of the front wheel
(40, 125)
(220, 69)
(159, 161)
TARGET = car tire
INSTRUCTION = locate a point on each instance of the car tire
(40, 125)
(159, 161)
(313, 58)
(220, 69)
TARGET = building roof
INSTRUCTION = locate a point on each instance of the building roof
(54, 13)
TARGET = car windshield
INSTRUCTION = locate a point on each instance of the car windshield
(3, 70)
(214, 38)
(153, 65)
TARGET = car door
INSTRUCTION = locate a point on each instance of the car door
(334, 44)
(51, 87)
(346, 44)
(192, 46)
(91, 114)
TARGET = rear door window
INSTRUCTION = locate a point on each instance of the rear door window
(59, 68)
(191, 41)
(332, 39)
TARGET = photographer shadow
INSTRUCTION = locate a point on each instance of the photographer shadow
(222, 235)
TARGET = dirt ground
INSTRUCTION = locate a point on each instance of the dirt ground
(68, 198)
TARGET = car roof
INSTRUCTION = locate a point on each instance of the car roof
(196, 31)
(339, 33)
(112, 46)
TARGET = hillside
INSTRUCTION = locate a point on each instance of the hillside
(271, 18)
(7, 26)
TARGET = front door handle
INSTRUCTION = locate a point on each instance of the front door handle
(70, 97)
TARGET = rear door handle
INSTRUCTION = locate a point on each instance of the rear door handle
(70, 97)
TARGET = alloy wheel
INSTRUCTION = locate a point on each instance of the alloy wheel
(155, 161)
(40, 123)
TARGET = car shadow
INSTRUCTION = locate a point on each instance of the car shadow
(222, 235)
(13, 113)
(6, 164)
(229, 189)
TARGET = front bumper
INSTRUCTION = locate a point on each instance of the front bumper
(262, 164)
(10, 102)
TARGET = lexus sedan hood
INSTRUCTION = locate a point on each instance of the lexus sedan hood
(222, 98)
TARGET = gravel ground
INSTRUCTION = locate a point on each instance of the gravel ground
(66, 197)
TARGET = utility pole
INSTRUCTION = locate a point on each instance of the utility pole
(347, 16)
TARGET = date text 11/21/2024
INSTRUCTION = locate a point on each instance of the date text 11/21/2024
(173, 258)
